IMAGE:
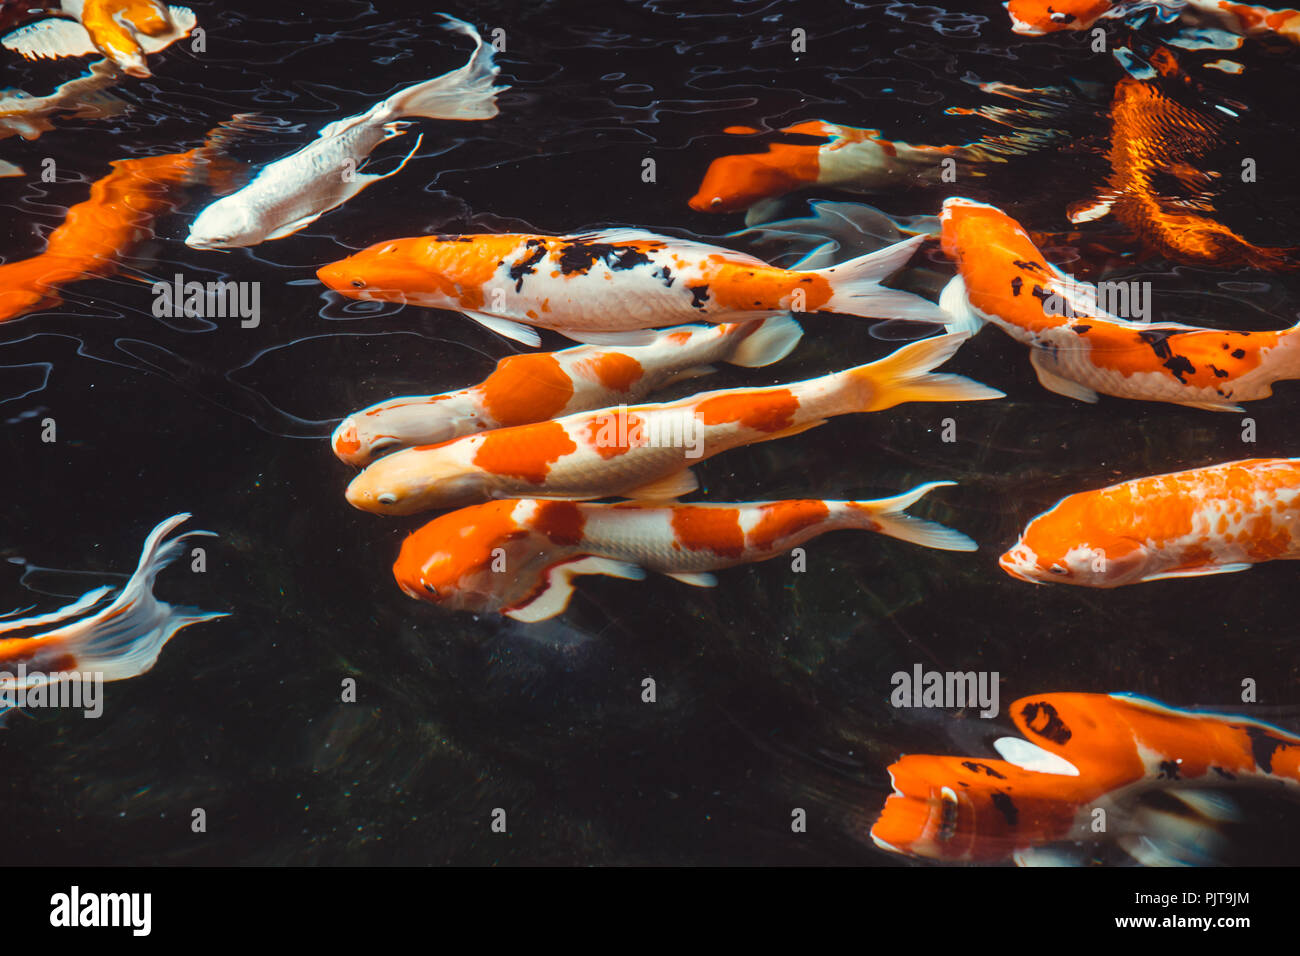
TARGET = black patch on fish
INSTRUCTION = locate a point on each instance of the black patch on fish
(1080, 329)
(527, 265)
(1168, 770)
(1158, 340)
(1262, 746)
(1054, 730)
(1220, 373)
(1027, 266)
(581, 256)
(1238, 354)
(444, 238)
(665, 275)
(1016, 283)
(1225, 774)
(1180, 366)
(1007, 807)
(699, 295)
(976, 767)
(1040, 295)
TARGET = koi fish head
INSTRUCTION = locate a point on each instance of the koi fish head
(387, 271)
(967, 223)
(1037, 17)
(1073, 544)
(414, 480)
(147, 16)
(361, 437)
(474, 559)
(733, 183)
(225, 224)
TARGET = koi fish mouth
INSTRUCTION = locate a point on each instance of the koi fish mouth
(1020, 564)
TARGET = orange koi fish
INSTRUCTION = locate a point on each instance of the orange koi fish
(1079, 349)
(119, 640)
(1038, 17)
(122, 30)
(539, 386)
(117, 217)
(1083, 752)
(587, 286)
(645, 451)
(852, 159)
(1213, 520)
(455, 561)
(1153, 136)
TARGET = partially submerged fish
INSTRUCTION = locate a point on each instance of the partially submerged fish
(1039, 17)
(291, 193)
(1213, 520)
(852, 159)
(1153, 137)
(122, 30)
(113, 640)
(519, 557)
(538, 386)
(598, 287)
(645, 451)
(22, 114)
(117, 217)
(1084, 753)
(1077, 347)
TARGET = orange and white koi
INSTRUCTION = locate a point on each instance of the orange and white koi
(1213, 520)
(645, 451)
(852, 159)
(22, 114)
(539, 386)
(121, 638)
(1153, 137)
(117, 217)
(1038, 17)
(122, 30)
(1079, 349)
(603, 287)
(1079, 753)
(456, 560)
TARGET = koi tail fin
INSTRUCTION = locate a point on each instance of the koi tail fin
(887, 516)
(961, 316)
(467, 93)
(906, 376)
(123, 638)
(856, 289)
(765, 341)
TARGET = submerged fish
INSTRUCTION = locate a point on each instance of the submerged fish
(122, 30)
(1213, 520)
(117, 217)
(22, 114)
(1038, 17)
(1077, 347)
(293, 192)
(1154, 137)
(645, 451)
(1085, 753)
(542, 385)
(120, 639)
(519, 557)
(601, 286)
(852, 159)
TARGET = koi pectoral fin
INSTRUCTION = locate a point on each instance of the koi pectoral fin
(1198, 571)
(698, 580)
(556, 589)
(1056, 383)
(51, 39)
(509, 328)
(665, 489)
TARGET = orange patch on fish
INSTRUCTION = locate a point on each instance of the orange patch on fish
(709, 529)
(561, 521)
(765, 411)
(525, 452)
(615, 370)
(782, 519)
(615, 434)
(526, 388)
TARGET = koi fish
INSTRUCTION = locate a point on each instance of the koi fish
(22, 114)
(645, 451)
(120, 639)
(292, 193)
(1082, 752)
(540, 386)
(1213, 520)
(122, 30)
(852, 159)
(455, 560)
(1153, 137)
(117, 217)
(1078, 349)
(604, 287)
(1038, 17)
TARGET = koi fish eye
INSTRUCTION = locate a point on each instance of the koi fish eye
(1057, 569)
(358, 283)
(387, 498)
(430, 588)
(716, 201)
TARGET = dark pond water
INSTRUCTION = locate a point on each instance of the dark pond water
(773, 689)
